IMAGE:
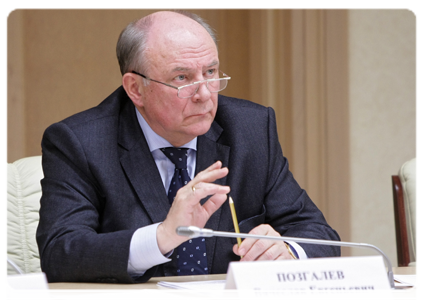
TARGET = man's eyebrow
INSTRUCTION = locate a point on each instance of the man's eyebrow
(215, 62)
(184, 69)
(179, 69)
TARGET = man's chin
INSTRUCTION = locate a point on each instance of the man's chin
(200, 128)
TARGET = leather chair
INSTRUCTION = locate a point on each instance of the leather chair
(23, 204)
(404, 190)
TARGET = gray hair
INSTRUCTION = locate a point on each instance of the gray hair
(132, 42)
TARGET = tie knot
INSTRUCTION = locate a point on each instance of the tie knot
(177, 155)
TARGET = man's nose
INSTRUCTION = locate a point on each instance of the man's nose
(203, 93)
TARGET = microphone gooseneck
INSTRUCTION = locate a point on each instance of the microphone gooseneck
(193, 232)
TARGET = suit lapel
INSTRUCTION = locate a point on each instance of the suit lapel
(141, 170)
(139, 166)
(208, 152)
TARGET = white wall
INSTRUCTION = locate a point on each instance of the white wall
(382, 118)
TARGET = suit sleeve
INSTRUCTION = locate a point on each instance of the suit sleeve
(71, 244)
(289, 210)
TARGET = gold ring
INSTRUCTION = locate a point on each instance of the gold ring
(193, 189)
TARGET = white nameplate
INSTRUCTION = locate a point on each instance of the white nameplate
(27, 286)
(340, 273)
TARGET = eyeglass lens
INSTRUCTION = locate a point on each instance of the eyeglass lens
(213, 86)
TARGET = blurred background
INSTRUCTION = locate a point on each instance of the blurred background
(342, 83)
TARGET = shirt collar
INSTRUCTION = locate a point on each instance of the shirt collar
(154, 140)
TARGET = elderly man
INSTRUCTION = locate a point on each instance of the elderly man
(164, 150)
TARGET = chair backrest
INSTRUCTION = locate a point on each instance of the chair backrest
(23, 204)
(404, 189)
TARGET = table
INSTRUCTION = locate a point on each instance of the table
(411, 293)
(74, 288)
(71, 288)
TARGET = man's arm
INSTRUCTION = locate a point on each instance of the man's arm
(144, 251)
(70, 243)
(289, 211)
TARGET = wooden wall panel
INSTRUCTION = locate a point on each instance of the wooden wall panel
(16, 131)
(232, 30)
(320, 112)
(338, 201)
(70, 64)
(270, 62)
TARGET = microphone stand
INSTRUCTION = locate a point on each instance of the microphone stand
(193, 232)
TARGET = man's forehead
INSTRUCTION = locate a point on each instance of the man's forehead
(166, 24)
(178, 43)
(169, 27)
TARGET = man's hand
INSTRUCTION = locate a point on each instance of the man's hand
(186, 209)
(261, 249)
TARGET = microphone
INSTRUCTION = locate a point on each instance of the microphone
(193, 232)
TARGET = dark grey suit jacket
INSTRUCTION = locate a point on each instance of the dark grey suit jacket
(101, 184)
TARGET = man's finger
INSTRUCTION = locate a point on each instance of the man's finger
(248, 243)
(212, 173)
(273, 252)
(254, 248)
(214, 202)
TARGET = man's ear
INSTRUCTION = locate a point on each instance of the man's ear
(132, 84)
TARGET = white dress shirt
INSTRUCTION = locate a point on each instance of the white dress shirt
(144, 252)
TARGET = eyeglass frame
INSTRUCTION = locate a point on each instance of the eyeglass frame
(181, 87)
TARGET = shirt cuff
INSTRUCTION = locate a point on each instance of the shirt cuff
(144, 252)
(298, 249)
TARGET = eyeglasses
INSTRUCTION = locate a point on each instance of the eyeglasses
(189, 90)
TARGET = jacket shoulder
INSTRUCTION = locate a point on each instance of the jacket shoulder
(235, 111)
(226, 102)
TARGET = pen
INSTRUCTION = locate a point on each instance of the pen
(234, 219)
